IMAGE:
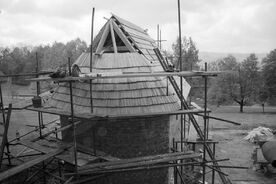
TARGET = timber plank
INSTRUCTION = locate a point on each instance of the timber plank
(99, 116)
(134, 164)
(15, 170)
(136, 159)
(129, 75)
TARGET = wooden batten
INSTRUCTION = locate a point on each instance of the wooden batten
(122, 37)
(103, 39)
(113, 37)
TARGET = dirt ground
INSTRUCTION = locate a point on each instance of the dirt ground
(231, 144)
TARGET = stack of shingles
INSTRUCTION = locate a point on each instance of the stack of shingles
(118, 95)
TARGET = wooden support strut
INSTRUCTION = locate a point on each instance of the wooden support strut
(113, 37)
(103, 38)
(130, 75)
(4, 142)
(122, 36)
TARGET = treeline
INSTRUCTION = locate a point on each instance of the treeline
(23, 59)
(248, 82)
(244, 83)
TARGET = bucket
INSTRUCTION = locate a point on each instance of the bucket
(37, 101)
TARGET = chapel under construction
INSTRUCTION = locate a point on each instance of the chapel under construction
(124, 118)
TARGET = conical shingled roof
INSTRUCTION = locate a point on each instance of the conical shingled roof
(119, 96)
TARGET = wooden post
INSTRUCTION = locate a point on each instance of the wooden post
(5, 136)
(181, 79)
(91, 59)
(205, 126)
(174, 169)
(39, 114)
(157, 35)
(214, 156)
(72, 118)
(160, 40)
(2, 105)
(179, 32)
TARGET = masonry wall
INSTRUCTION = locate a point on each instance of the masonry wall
(127, 138)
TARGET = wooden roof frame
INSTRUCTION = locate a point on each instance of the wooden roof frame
(122, 36)
(113, 37)
(103, 39)
(112, 28)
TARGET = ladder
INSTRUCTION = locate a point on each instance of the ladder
(4, 126)
(191, 116)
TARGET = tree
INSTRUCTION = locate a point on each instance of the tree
(190, 60)
(189, 54)
(269, 76)
(56, 55)
(240, 85)
(223, 86)
(247, 83)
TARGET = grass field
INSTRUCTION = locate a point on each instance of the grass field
(231, 144)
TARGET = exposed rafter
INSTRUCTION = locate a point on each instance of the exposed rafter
(103, 39)
(113, 37)
(122, 36)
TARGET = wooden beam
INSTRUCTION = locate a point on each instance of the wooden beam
(220, 119)
(34, 146)
(129, 75)
(128, 163)
(15, 170)
(154, 114)
(44, 147)
(100, 154)
(119, 48)
(103, 116)
(123, 37)
(27, 74)
(103, 39)
(4, 140)
(56, 131)
(134, 160)
(113, 36)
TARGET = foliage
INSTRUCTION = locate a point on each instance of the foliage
(23, 59)
(189, 60)
(239, 82)
(222, 86)
(269, 75)
(189, 53)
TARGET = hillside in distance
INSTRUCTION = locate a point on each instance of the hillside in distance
(214, 56)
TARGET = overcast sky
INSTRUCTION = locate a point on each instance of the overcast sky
(215, 25)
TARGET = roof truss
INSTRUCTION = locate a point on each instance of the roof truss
(116, 36)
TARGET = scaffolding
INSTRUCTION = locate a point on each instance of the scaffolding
(50, 152)
(52, 148)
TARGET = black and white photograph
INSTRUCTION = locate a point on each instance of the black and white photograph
(137, 92)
